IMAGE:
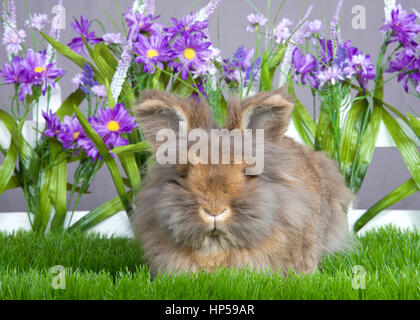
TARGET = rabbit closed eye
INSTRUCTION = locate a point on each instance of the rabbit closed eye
(198, 216)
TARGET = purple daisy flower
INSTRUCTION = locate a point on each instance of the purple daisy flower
(255, 20)
(188, 24)
(152, 52)
(40, 73)
(111, 123)
(82, 28)
(88, 147)
(402, 25)
(12, 73)
(191, 52)
(53, 125)
(29, 71)
(146, 24)
(71, 132)
(408, 68)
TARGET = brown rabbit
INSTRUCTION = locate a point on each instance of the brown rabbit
(201, 217)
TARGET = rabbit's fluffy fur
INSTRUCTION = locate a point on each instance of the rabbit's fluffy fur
(288, 217)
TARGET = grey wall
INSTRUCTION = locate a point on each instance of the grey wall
(387, 170)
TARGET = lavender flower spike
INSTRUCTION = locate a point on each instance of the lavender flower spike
(123, 65)
(208, 10)
(126, 55)
(297, 39)
(335, 32)
(145, 7)
(9, 20)
(9, 16)
(56, 27)
(389, 6)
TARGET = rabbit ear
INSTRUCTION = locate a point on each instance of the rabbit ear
(160, 110)
(270, 111)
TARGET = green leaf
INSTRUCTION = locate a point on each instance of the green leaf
(43, 210)
(368, 143)
(74, 99)
(324, 139)
(110, 98)
(66, 51)
(99, 214)
(302, 120)
(13, 183)
(7, 167)
(27, 155)
(403, 191)
(414, 124)
(138, 147)
(110, 162)
(266, 79)
(131, 169)
(58, 185)
(405, 145)
(351, 136)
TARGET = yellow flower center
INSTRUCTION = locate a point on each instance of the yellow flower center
(189, 53)
(39, 69)
(151, 53)
(113, 126)
(76, 135)
(140, 25)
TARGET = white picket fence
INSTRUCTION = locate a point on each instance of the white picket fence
(119, 226)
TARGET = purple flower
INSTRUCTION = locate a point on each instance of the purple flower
(99, 91)
(38, 72)
(255, 20)
(53, 125)
(82, 28)
(38, 21)
(306, 66)
(234, 68)
(281, 32)
(187, 24)
(408, 68)
(30, 71)
(111, 123)
(313, 27)
(331, 75)
(326, 54)
(242, 67)
(13, 41)
(152, 52)
(146, 23)
(12, 73)
(86, 79)
(303, 64)
(71, 133)
(402, 26)
(112, 38)
(364, 67)
(191, 52)
(88, 147)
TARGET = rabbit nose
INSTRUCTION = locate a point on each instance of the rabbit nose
(217, 213)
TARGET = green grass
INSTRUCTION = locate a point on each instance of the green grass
(98, 268)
